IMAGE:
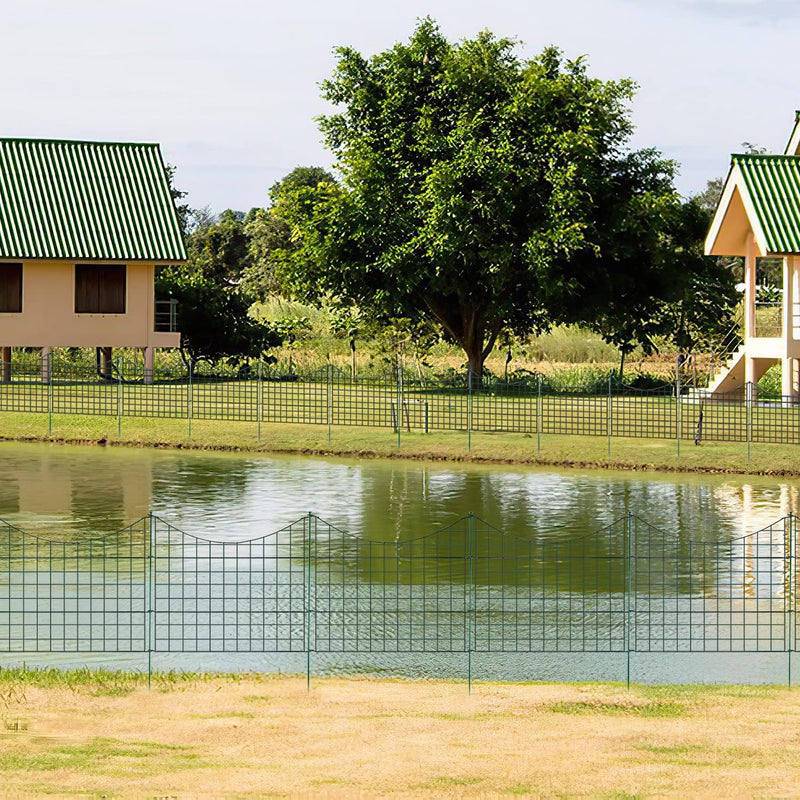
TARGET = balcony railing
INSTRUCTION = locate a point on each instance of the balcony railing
(166, 316)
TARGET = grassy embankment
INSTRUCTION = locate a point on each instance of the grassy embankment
(514, 448)
(104, 734)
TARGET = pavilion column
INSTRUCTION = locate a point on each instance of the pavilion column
(788, 385)
(749, 307)
(5, 357)
(149, 364)
(46, 353)
(106, 355)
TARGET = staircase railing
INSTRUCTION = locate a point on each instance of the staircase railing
(728, 344)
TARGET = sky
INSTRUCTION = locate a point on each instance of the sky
(230, 88)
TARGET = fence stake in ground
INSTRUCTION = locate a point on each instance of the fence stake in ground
(150, 597)
(469, 411)
(120, 373)
(48, 365)
(678, 420)
(470, 611)
(628, 574)
(790, 591)
(259, 399)
(329, 401)
(748, 402)
(397, 419)
(539, 418)
(189, 401)
(608, 419)
(308, 526)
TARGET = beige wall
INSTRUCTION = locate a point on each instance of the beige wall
(48, 317)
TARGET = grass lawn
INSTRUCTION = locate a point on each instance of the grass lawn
(626, 452)
(105, 734)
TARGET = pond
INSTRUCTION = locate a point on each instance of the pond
(402, 580)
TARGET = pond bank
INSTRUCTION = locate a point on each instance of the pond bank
(254, 735)
(486, 448)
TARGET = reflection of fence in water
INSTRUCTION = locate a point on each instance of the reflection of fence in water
(466, 588)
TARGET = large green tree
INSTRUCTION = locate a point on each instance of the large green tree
(480, 190)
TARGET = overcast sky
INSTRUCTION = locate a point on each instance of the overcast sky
(230, 88)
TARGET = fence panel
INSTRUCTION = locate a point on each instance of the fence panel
(70, 596)
(212, 596)
(390, 597)
(711, 596)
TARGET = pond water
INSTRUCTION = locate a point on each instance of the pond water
(402, 582)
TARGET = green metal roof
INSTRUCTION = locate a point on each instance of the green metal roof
(773, 185)
(86, 200)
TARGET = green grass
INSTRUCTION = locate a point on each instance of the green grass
(650, 709)
(512, 448)
(101, 756)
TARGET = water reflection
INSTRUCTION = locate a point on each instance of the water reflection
(56, 490)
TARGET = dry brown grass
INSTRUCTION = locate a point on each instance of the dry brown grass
(361, 738)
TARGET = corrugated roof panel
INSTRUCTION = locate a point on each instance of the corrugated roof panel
(773, 185)
(86, 200)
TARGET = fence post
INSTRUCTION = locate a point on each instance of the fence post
(678, 416)
(469, 410)
(398, 416)
(749, 391)
(329, 401)
(608, 420)
(790, 586)
(309, 525)
(190, 401)
(628, 587)
(119, 398)
(49, 357)
(539, 418)
(150, 598)
(259, 398)
(470, 550)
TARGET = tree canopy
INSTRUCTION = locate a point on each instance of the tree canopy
(480, 190)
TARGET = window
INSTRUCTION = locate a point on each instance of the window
(11, 288)
(99, 289)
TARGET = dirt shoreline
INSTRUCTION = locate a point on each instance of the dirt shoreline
(431, 456)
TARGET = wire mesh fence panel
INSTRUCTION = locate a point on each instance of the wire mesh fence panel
(711, 596)
(23, 385)
(721, 418)
(78, 389)
(389, 597)
(73, 596)
(551, 596)
(775, 420)
(650, 414)
(299, 399)
(501, 406)
(444, 406)
(224, 399)
(229, 596)
(369, 401)
(166, 394)
(574, 413)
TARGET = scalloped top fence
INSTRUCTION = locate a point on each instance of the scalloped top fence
(467, 588)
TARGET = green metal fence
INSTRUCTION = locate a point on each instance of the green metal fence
(398, 400)
(469, 588)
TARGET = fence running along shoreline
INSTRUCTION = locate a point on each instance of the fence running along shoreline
(401, 401)
(469, 588)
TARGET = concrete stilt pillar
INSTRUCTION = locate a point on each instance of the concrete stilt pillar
(149, 363)
(5, 357)
(750, 370)
(787, 378)
(106, 354)
(46, 352)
